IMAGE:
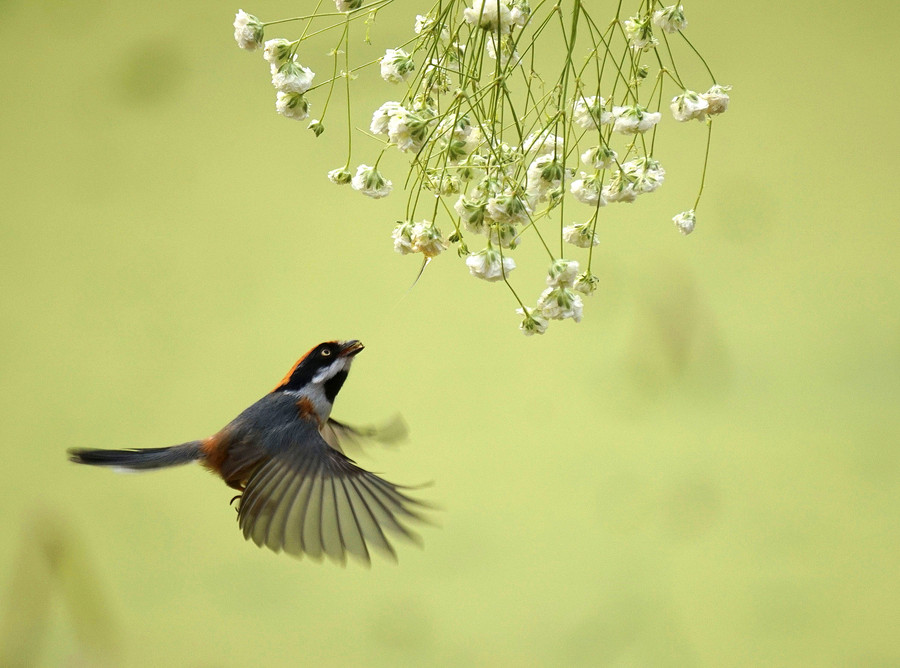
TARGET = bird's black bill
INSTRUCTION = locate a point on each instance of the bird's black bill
(351, 348)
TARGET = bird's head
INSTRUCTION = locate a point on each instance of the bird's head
(320, 373)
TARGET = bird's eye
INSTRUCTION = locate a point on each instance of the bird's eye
(326, 352)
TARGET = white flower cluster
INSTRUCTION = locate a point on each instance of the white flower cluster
(347, 5)
(290, 79)
(368, 180)
(560, 300)
(396, 66)
(496, 149)
(490, 264)
(670, 19)
(497, 16)
(421, 237)
(639, 33)
(690, 105)
(248, 31)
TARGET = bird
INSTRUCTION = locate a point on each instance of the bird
(298, 492)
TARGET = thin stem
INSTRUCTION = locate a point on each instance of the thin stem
(353, 13)
(709, 125)
(347, 79)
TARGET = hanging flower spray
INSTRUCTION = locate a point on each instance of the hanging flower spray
(508, 142)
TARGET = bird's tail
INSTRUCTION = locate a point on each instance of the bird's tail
(139, 460)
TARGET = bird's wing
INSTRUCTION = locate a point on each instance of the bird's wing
(338, 434)
(308, 498)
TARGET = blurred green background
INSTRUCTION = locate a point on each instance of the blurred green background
(702, 473)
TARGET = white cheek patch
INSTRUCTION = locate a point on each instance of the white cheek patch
(331, 370)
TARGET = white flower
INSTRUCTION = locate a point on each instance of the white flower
(471, 212)
(490, 15)
(340, 176)
(619, 189)
(581, 235)
(717, 99)
(248, 31)
(468, 171)
(457, 51)
(505, 161)
(292, 105)
(533, 321)
(448, 184)
(587, 190)
(639, 33)
(508, 208)
(316, 126)
(462, 143)
(370, 182)
(599, 157)
(646, 174)
(501, 234)
(631, 120)
(559, 303)
(427, 239)
(638, 176)
(520, 12)
(685, 221)
(688, 106)
(586, 283)
(588, 113)
(544, 173)
(423, 23)
(562, 272)
(408, 130)
(403, 238)
(292, 77)
(489, 265)
(421, 237)
(396, 65)
(426, 24)
(382, 116)
(670, 19)
(276, 52)
(347, 5)
(435, 77)
(507, 50)
(543, 142)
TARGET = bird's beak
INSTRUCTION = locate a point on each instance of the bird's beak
(351, 348)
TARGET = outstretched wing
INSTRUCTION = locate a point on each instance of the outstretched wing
(338, 435)
(314, 500)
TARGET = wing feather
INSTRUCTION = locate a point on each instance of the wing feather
(293, 521)
(308, 498)
(368, 522)
(354, 541)
(274, 538)
(269, 501)
(254, 495)
(340, 435)
(329, 528)
(295, 507)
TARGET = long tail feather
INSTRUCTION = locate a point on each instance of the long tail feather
(138, 460)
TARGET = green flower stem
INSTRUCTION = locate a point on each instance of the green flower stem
(309, 22)
(658, 106)
(709, 125)
(336, 51)
(347, 76)
(702, 60)
(676, 77)
(353, 13)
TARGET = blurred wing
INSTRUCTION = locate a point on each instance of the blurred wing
(337, 434)
(313, 500)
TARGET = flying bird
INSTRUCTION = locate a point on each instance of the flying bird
(298, 491)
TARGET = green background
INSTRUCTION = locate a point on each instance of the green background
(703, 472)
